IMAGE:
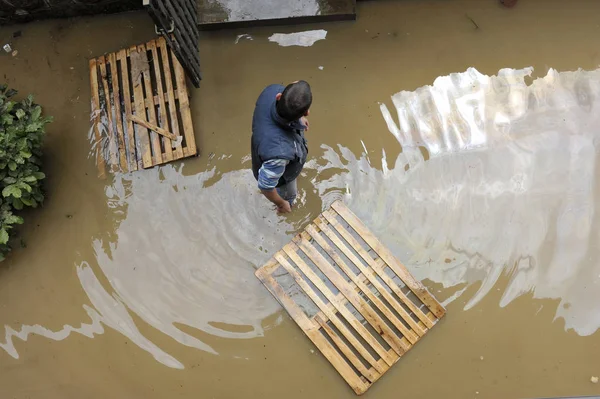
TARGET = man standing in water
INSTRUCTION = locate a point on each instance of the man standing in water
(279, 149)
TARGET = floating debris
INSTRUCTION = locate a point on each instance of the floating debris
(243, 36)
(304, 39)
(594, 380)
(472, 21)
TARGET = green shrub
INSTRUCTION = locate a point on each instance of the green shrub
(21, 136)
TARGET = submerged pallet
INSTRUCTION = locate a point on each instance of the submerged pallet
(356, 302)
(140, 108)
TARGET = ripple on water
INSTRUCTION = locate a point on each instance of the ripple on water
(495, 177)
(186, 253)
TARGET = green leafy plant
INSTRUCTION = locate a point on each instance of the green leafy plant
(21, 137)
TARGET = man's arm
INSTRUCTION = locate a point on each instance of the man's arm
(282, 205)
(268, 176)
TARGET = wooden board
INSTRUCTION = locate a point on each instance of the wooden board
(367, 309)
(147, 84)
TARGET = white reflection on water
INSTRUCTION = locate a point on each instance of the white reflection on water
(510, 186)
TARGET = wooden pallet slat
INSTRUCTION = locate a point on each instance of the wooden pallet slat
(112, 60)
(112, 146)
(328, 215)
(314, 334)
(140, 111)
(171, 93)
(372, 278)
(347, 351)
(129, 132)
(378, 269)
(330, 314)
(168, 154)
(151, 111)
(184, 107)
(291, 251)
(410, 335)
(355, 352)
(360, 305)
(415, 286)
(140, 116)
(96, 120)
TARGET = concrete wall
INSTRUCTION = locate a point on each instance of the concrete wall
(12, 11)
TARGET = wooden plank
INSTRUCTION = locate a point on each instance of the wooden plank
(311, 232)
(268, 268)
(314, 334)
(112, 60)
(342, 298)
(290, 250)
(96, 112)
(184, 109)
(168, 135)
(320, 222)
(378, 265)
(345, 349)
(330, 217)
(156, 101)
(164, 121)
(172, 94)
(130, 132)
(154, 138)
(360, 305)
(112, 145)
(416, 287)
(330, 314)
(140, 111)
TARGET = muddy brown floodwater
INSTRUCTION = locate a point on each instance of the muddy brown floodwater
(485, 184)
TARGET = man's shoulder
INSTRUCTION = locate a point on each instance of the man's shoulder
(267, 96)
(274, 88)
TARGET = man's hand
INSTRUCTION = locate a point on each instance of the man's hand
(304, 122)
(284, 207)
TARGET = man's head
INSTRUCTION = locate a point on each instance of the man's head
(295, 101)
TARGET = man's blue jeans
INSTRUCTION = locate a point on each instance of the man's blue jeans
(288, 192)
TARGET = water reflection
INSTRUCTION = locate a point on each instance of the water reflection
(495, 177)
(509, 187)
(186, 253)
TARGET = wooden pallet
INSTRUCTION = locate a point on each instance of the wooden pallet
(365, 310)
(138, 93)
